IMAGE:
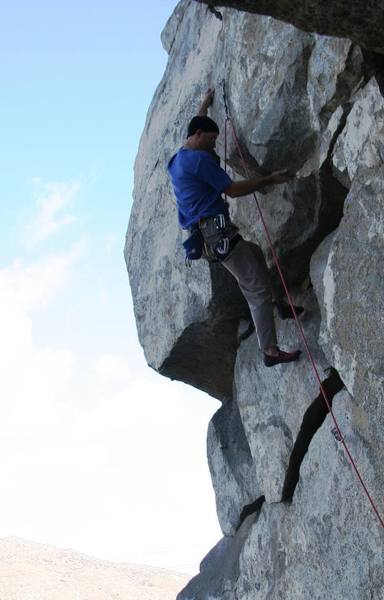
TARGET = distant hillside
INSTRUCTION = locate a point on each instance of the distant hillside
(30, 571)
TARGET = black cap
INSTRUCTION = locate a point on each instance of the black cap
(203, 123)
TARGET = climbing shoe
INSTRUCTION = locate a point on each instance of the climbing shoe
(282, 357)
(285, 311)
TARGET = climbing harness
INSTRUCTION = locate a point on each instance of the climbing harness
(336, 430)
(195, 245)
(222, 246)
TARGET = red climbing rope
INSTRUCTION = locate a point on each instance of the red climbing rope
(302, 334)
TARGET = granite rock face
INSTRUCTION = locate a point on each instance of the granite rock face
(347, 271)
(295, 521)
(233, 470)
(283, 87)
(272, 402)
(324, 545)
(356, 19)
(361, 144)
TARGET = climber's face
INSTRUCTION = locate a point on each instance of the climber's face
(206, 140)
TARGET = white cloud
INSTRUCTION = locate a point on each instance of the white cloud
(32, 378)
(112, 368)
(52, 204)
(34, 180)
(110, 241)
(98, 452)
(27, 286)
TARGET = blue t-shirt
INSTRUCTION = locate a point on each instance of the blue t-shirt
(198, 180)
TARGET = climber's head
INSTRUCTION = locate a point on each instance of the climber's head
(202, 134)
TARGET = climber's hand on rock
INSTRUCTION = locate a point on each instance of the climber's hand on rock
(208, 99)
(281, 176)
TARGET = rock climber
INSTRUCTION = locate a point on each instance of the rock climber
(199, 182)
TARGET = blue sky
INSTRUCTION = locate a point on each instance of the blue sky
(98, 452)
(74, 97)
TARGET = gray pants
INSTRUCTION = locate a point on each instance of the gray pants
(247, 264)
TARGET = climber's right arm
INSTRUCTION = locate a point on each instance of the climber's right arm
(248, 186)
